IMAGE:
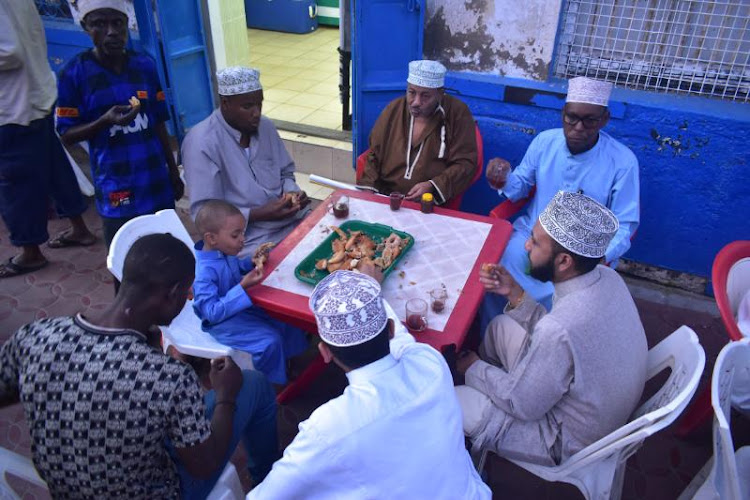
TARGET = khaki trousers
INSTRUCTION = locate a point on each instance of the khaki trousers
(504, 345)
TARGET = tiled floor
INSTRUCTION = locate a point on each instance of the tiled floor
(300, 75)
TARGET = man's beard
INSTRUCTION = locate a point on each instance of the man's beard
(544, 272)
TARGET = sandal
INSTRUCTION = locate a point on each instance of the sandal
(63, 240)
(11, 269)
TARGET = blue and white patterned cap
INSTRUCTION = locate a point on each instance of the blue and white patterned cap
(348, 308)
(429, 74)
(237, 80)
(588, 91)
(579, 223)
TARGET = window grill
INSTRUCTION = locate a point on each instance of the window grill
(56, 9)
(697, 47)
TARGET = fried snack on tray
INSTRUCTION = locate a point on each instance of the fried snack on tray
(261, 254)
(351, 250)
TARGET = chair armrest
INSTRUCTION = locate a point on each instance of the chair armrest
(508, 209)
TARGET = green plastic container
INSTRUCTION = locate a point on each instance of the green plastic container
(305, 270)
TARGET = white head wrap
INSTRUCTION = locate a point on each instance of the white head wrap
(348, 308)
(238, 80)
(428, 74)
(86, 6)
(579, 223)
(588, 91)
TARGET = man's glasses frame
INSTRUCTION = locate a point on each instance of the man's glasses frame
(588, 121)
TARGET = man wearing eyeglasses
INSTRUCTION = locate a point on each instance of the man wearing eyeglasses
(579, 157)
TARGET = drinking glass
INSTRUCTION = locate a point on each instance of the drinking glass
(416, 315)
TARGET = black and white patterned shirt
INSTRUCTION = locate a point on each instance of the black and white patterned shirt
(100, 404)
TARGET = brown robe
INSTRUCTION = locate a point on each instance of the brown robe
(450, 175)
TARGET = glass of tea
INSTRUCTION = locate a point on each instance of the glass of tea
(396, 199)
(438, 297)
(416, 315)
(497, 173)
(340, 207)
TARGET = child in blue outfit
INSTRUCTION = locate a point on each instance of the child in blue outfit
(220, 294)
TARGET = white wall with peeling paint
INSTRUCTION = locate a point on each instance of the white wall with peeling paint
(513, 38)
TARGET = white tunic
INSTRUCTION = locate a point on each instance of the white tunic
(395, 432)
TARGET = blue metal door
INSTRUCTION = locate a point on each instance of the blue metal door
(386, 35)
(183, 56)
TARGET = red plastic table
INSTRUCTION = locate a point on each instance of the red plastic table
(292, 306)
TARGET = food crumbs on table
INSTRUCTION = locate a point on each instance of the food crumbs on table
(412, 283)
(401, 274)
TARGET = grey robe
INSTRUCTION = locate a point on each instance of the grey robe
(217, 167)
(580, 379)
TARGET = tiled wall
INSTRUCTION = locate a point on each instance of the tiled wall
(228, 32)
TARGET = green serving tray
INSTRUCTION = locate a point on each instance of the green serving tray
(305, 270)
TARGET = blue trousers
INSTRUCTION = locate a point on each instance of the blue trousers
(34, 169)
(254, 423)
(270, 341)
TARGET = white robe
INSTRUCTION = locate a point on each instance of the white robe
(396, 432)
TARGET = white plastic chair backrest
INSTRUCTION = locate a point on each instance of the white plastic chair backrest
(732, 364)
(228, 487)
(164, 221)
(19, 466)
(185, 332)
(683, 354)
(738, 283)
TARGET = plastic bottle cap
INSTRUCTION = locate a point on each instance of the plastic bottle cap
(427, 197)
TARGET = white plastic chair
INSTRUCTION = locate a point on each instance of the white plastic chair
(599, 469)
(228, 487)
(185, 331)
(730, 474)
(16, 465)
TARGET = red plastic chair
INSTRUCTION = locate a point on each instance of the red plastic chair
(455, 202)
(731, 278)
(508, 209)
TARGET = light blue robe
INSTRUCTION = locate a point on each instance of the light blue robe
(230, 317)
(608, 173)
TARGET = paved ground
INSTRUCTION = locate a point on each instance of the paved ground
(77, 281)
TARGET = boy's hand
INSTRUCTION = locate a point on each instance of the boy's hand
(120, 115)
(252, 278)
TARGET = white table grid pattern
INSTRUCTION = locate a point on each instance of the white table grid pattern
(444, 252)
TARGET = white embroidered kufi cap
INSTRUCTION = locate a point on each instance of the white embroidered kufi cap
(238, 80)
(579, 223)
(588, 91)
(348, 308)
(429, 74)
(86, 6)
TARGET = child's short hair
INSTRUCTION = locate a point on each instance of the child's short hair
(212, 215)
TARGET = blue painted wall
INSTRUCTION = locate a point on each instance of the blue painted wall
(693, 153)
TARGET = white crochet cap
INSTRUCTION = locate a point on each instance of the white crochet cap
(579, 223)
(86, 6)
(588, 91)
(238, 80)
(348, 308)
(429, 74)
